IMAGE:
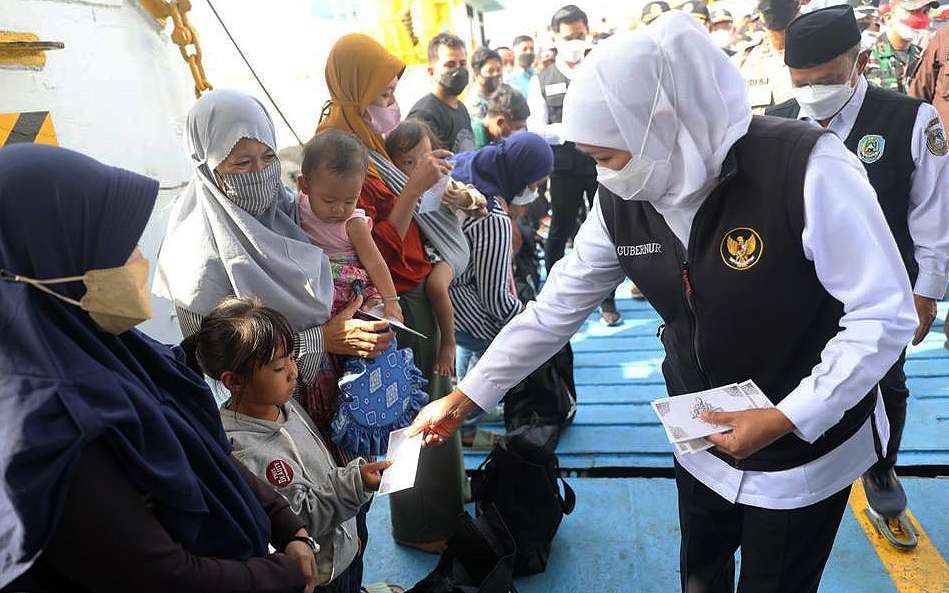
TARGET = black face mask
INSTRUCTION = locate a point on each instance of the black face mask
(491, 84)
(526, 60)
(454, 81)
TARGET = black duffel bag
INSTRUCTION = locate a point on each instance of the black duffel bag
(547, 396)
(521, 479)
(478, 558)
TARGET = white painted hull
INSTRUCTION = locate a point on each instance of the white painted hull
(118, 92)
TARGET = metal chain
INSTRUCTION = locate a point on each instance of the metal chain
(186, 37)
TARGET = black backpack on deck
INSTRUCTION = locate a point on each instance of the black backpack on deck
(521, 479)
(478, 558)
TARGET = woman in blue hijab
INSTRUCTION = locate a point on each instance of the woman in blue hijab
(511, 169)
(117, 473)
(484, 295)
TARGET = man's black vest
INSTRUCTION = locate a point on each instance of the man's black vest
(741, 301)
(567, 159)
(882, 139)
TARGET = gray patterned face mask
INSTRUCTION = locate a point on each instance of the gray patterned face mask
(253, 192)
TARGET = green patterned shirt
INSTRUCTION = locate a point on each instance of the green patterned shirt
(892, 68)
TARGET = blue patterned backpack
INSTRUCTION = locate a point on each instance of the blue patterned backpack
(376, 397)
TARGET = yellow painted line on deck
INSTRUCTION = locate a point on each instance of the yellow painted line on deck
(922, 570)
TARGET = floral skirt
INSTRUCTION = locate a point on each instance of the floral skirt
(349, 280)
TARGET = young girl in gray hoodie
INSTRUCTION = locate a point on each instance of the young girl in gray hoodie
(249, 348)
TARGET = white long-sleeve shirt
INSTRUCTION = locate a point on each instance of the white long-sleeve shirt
(928, 219)
(857, 262)
(537, 121)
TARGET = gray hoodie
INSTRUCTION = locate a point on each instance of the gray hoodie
(292, 457)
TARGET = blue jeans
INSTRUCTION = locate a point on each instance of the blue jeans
(468, 352)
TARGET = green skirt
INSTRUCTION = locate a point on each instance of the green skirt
(428, 512)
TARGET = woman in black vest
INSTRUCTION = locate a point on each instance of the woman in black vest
(736, 230)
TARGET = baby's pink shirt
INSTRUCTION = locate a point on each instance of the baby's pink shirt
(330, 236)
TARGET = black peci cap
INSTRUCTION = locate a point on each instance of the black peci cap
(820, 36)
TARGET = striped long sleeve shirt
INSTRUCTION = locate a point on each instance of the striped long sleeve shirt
(483, 295)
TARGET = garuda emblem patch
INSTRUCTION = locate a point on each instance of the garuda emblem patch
(742, 248)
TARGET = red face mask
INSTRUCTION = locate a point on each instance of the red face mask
(917, 20)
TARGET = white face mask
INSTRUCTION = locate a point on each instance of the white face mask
(722, 38)
(824, 101)
(525, 198)
(572, 51)
(907, 33)
(642, 178)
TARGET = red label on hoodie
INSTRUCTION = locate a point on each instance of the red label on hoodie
(279, 473)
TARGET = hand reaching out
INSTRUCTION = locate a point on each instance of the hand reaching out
(372, 474)
(438, 420)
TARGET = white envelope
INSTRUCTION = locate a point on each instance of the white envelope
(404, 453)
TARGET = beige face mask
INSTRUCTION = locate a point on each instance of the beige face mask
(116, 298)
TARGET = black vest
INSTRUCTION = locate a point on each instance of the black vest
(882, 139)
(741, 302)
(567, 159)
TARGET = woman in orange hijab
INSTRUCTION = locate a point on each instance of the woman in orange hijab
(361, 77)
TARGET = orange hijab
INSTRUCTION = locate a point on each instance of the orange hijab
(357, 71)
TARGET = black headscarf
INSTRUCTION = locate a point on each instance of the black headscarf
(65, 383)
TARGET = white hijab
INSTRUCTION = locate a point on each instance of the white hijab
(213, 249)
(701, 111)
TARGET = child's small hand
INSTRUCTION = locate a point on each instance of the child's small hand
(392, 310)
(372, 474)
(457, 197)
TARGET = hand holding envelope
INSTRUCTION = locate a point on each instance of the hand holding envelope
(684, 417)
(404, 454)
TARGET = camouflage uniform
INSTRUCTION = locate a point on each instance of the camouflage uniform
(890, 68)
(768, 79)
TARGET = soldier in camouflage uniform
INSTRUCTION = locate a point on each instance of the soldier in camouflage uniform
(895, 56)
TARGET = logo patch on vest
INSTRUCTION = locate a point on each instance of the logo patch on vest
(279, 473)
(557, 88)
(741, 248)
(637, 250)
(870, 149)
(936, 138)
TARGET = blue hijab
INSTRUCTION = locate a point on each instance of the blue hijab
(65, 383)
(507, 168)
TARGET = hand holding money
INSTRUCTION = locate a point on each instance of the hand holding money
(751, 430)
(694, 421)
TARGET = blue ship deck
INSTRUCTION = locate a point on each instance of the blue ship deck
(624, 533)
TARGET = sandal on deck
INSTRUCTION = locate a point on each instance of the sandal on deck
(381, 588)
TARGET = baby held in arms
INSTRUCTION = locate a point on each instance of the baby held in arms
(334, 168)
(406, 144)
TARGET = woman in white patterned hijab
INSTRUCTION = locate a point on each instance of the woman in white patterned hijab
(237, 234)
